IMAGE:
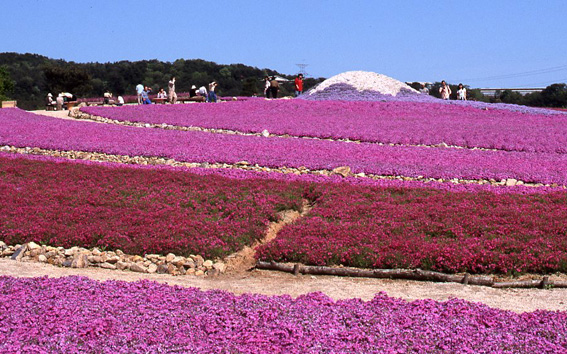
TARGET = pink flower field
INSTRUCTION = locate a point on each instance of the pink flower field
(21, 129)
(359, 221)
(136, 210)
(476, 232)
(146, 317)
(384, 122)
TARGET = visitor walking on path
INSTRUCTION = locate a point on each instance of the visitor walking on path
(444, 90)
(139, 90)
(298, 85)
(462, 93)
(171, 91)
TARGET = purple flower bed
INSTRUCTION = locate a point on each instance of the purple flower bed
(75, 314)
(385, 122)
(20, 128)
(346, 92)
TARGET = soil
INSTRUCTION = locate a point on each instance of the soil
(277, 283)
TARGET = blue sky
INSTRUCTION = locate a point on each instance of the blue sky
(481, 43)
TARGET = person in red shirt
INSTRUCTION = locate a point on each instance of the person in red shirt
(298, 85)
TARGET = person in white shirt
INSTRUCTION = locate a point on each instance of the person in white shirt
(462, 93)
(139, 90)
(120, 101)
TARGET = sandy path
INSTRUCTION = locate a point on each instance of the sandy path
(276, 283)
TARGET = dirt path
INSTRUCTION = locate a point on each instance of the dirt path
(276, 283)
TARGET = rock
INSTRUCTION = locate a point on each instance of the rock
(80, 261)
(42, 258)
(243, 163)
(112, 259)
(7, 252)
(152, 268)
(178, 261)
(19, 253)
(170, 257)
(67, 263)
(35, 252)
(221, 267)
(137, 259)
(199, 273)
(190, 271)
(106, 265)
(162, 269)
(119, 253)
(33, 246)
(152, 257)
(189, 264)
(511, 182)
(3, 245)
(122, 265)
(342, 170)
(171, 269)
(96, 252)
(181, 270)
(138, 268)
(198, 260)
(265, 133)
(208, 264)
(95, 259)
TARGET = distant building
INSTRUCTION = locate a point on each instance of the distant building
(521, 91)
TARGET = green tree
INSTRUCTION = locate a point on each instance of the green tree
(6, 84)
(555, 95)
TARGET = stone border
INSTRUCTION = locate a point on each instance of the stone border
(78, 257)
(344, 171)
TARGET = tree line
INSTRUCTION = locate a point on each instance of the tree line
(28, 78)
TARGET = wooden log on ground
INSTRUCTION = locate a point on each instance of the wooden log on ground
(409, 274)
(518, 284)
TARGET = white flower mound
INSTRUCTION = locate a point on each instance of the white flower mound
(365, 81)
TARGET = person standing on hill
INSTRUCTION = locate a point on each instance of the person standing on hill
(171, 91)
(445, 90)
(298, 85)
(462, 93)
(274, 87)
(267, 91)
(139, 90)
(212, 94)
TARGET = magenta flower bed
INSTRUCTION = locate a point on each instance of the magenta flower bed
(136, 210)
(78, 315)
(22, 129)
(373, 227)
(385, 122)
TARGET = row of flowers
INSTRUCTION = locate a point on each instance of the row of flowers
(147, 317)
(385, 122)
(213, 213)
(140, 211)
(373, 227)
(19, 128)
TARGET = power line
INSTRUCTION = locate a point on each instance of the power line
(521, 74)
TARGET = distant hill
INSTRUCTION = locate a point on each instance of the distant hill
(35, 75)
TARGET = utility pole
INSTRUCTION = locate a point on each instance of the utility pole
(302, 69)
